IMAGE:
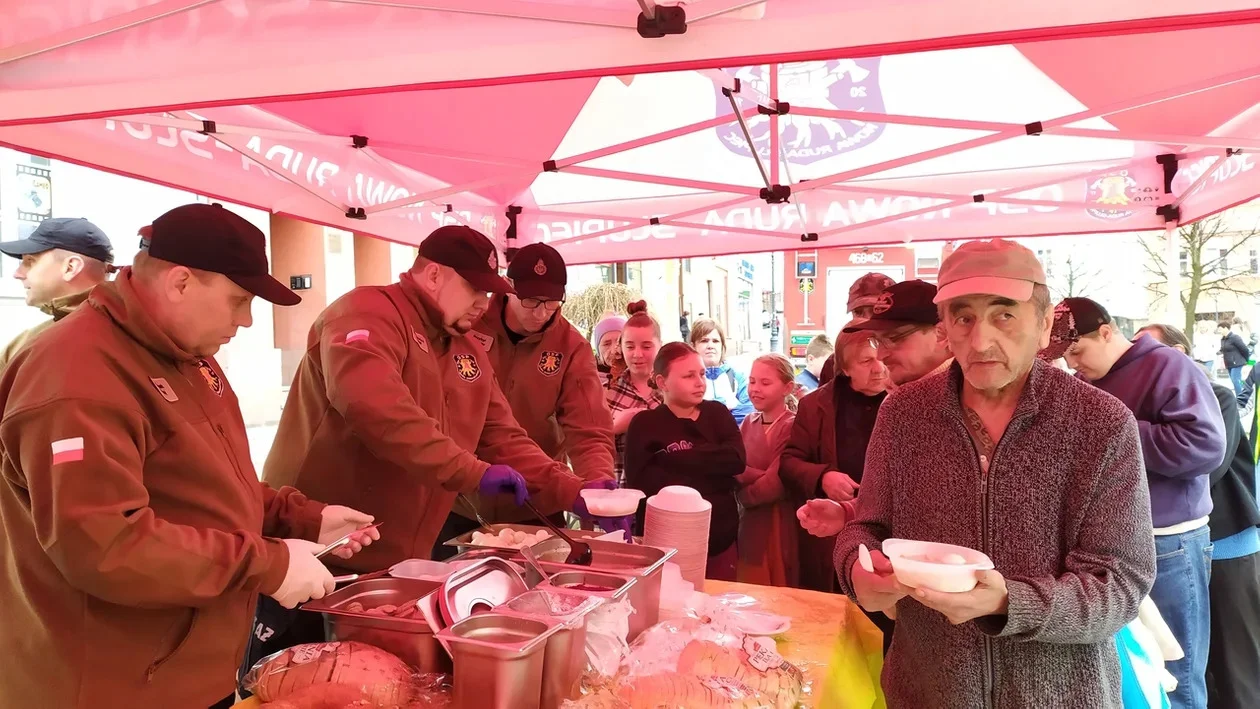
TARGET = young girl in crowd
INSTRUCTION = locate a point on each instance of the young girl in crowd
(692, 442)
(767, 528)
(631, 391)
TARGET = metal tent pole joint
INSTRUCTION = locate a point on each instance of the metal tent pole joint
(356, 213)
(810, 237)
(1169, 162)
(663, 21)
(358, 142)
(780, 108)
(1034, 128)
(208, 128)
(1170, 212)
(776, 194)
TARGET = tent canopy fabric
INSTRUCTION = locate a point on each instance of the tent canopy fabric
(768, 125)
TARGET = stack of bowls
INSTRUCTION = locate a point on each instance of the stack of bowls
(678, 517)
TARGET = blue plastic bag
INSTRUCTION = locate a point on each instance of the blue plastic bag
(1140, 674)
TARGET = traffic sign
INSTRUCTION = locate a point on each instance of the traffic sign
(805, 285)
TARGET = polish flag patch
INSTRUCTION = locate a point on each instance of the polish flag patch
(356, 336)
(67, 450)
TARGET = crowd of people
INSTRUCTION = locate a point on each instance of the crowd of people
(138, 535)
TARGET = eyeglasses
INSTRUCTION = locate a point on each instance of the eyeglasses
(535, 303)
(891, 339)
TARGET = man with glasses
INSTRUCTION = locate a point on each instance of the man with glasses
(547, 372)
(904, 323)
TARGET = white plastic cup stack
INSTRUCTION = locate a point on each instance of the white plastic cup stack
(678, 517)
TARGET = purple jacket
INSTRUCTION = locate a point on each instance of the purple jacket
(1179, 420)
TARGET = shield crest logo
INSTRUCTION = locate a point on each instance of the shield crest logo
(493, 260)
(213, 380)
(549, 362)
(1113, 194)
(466, 367)
(884, 304)
(540, 268)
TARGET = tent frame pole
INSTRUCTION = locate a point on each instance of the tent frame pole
(100, 28)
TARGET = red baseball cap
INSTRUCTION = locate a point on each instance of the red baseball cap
(469, 253)
(210, 238)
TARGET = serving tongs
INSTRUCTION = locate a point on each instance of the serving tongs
(580, 553)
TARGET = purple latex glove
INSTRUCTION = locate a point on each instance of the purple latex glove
(503, 478)
(608, 524)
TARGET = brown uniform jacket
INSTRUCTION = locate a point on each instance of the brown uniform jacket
(391, 415)
(132, 518)
(550, 380)
(58, 309)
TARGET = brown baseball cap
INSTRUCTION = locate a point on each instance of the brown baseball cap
(905, 303)
(866, 290)
(209, 237)
(538, 271)
(469, 253)
(998, 267)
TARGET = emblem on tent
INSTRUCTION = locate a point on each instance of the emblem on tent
(842, 84)
(466, 367)
(540, 268)
(549, 362)
(1114, 195)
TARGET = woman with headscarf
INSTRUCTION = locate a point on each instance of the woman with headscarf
(607, 340)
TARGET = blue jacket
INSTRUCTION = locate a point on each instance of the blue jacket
(729, 387)
(1180, 424)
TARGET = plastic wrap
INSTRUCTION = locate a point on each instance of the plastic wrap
(701, 660)
(335, 675)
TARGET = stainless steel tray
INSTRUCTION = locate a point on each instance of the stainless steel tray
(464, 541)
(413, 640)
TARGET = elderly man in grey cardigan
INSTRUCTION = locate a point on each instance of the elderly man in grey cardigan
(1005, 454)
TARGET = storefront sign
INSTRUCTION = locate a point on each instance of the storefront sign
(34, 192)
(863, 258)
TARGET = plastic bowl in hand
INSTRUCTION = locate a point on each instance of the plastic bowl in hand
(937, 567)
(611, 503)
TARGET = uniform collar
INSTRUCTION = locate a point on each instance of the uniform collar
(431, 320)
(119, 301)
(64, 305)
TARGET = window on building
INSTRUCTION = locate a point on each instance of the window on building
(607, 273)
(1046, 257)
(1184, 260)
(1254, 262)
(928, 262)
(686, 265)
(37, 160)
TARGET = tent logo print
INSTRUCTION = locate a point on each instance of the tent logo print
(1113, 193)
(843, 84)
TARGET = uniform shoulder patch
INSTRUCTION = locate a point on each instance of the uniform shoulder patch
(164, 388)
(549, 362)
(420, 340)
(467, 368)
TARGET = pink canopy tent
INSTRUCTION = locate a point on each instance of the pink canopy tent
(765, 126)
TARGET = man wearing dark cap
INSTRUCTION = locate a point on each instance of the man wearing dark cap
(904, 323)
(137, 535)
(1183, 443)
(62, 260)
(395, 409)
(862, 296)
(547, 372)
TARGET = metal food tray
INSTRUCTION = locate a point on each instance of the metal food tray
(464, 541)
(413, 640)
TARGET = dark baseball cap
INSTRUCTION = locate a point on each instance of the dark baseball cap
(905, 303)
(209, 237)
(469, 253)
(1073, 319)
(866, 290)
(69, 234)
(538, 271)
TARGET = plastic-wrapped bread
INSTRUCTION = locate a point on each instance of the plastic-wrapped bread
(348, 671)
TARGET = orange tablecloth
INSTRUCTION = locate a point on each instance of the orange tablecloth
(817, 620)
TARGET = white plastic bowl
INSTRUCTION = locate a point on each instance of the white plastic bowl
(679, 498)
(937, 567)
(611, 503)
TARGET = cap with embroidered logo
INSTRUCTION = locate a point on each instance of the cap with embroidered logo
(538, 271)
(905, 303)
(865, 290)
(1073, 319)
(469, 253)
